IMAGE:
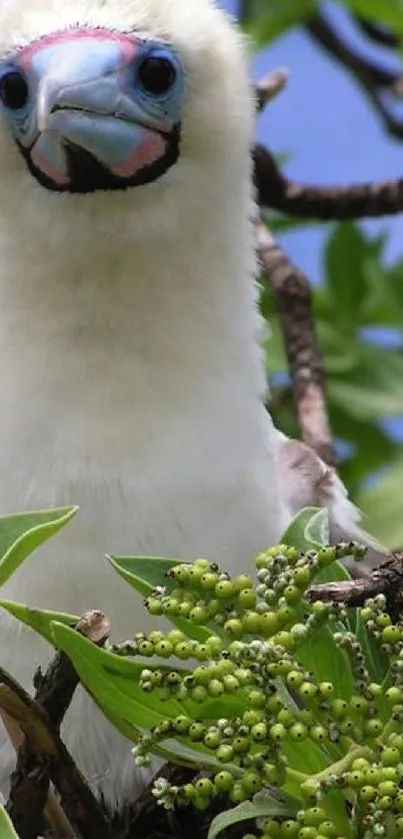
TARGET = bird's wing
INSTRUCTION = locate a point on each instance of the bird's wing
(306, 481)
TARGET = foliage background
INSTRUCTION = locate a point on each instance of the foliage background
(330, 134)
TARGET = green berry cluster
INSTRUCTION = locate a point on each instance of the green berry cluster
(250, 698)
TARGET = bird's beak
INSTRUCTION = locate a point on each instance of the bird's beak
(93, 128)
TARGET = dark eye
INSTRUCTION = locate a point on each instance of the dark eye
(157, 75)
(13, 90)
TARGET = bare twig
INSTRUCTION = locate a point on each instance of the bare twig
(269, 87)
(293, 300)
(372, 78)
(42, 755)
(377, 33)
(387, 580)
(306, 201)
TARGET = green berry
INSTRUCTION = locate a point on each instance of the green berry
(292, 594)
(243, 581)
(199, 693)
(372, 728)
(256, 699)
(208, 580)
(285, 639)
(285, 615)
(237, 795)
(307, 691)
(327, 829)
(298, 731)
(145, 648)
(225, 753)
(251, 783)
(390, 756)
(247, 598)
(313, 816)
(286, 717)
(268, 624)
(302, 576)
(355, 779)
(318, 733)
(240, 745)
(272, 828)
(258, 732)
(394, 695)
(215, 688)
(234, 627)
(251, 622)
(374, 690)
(339, 708)
(294, 679)
(326, 689)
(307, 832)
(289, 829)
(223, 781)
(387, 788)
(198, 614)
(213, 739)
(391, 634)
(325, 557)
(153, 606)
(181, 724)
(204, 787)
(164, 649)
(278, 732)
(224, 589)
(196, 731)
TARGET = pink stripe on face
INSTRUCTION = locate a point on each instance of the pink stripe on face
(128, 43)
(150, 150)
(40, 161)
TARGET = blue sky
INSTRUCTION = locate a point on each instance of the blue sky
(325, 124)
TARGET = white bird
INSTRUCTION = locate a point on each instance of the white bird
(132, 378)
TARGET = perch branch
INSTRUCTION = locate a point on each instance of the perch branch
(387, 580)
(42, 755)
(353, 201)
(293, 300)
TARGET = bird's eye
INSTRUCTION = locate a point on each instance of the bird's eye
(157, 75)
(13, 90)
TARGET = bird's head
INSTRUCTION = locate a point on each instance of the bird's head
(149, 97)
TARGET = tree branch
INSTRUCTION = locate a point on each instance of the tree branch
(293, 300)
(372, 78)
(377, 33)
(42, 755)
(387, 580)
(353, 201)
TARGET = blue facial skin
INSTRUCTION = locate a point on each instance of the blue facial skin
(90, 109)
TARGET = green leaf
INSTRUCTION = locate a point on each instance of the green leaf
(113, 682)
(320, 654)
(22, 533)
(266, 21)
(374, 388)
(345, 254)
(6, 826)
(308, 529)
(143, 573)
(38, 619)
(389, 12)
(261, 806)
(382, 504)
